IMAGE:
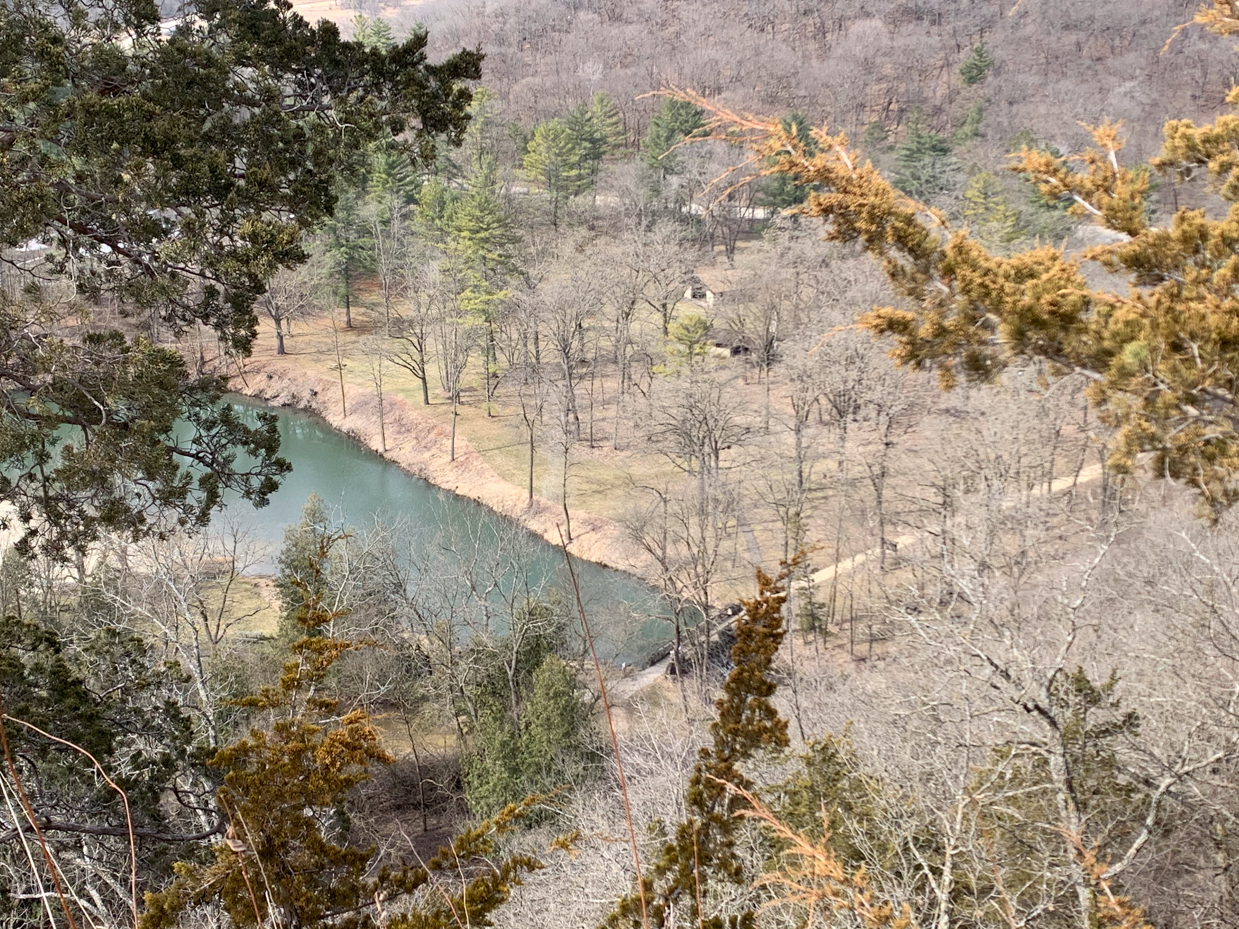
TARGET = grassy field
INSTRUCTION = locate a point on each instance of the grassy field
(600, 477)
(605, 482)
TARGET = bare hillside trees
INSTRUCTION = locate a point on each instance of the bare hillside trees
(778, 57)
(695, 422)
(412, 328)
(185, 592)
(292, 294)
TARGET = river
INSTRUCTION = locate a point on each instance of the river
(630, 619)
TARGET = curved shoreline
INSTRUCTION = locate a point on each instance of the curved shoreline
(420, 446)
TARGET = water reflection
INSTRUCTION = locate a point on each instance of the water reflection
(444, 539)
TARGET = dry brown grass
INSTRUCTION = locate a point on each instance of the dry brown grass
(604, 485)
(492, 452)
(254, 600)
(490, 461)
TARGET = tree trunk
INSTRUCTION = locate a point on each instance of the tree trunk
(452, 455)
(766, 409)
(677, 649)
(531, 450)
(790, 625)
(592, 372)
(572, 407)
(382, 425)
(487, 362)
(201, 360)
(425, 385)
(279, 337)
(348, 298)
(1072, 828)
(421, 781)
(564, 489)
(879, 495)
(615, 426)
(335, 335)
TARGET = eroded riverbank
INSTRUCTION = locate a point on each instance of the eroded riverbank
(422, 447)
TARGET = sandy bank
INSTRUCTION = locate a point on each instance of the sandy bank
(422, 447)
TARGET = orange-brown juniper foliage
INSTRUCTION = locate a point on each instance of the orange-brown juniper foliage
(814, 882)
(1109, 911)
(1221, 16)
(1162, 359)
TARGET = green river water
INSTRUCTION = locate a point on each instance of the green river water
(629, 618)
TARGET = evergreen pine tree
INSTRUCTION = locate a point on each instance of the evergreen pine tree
(609, 122)
(349, 245)
(675, 121)
(970, 128)
(877, 137)
(373, 32)
(480, 233)
(692, 333)
(553, 163)
(588, 143)
(492, 770)
(926, 164)
(436, 210)
(392, 183)
(1079, 773)
(832, 798)
(781, 189)
(482, 138)
(991, 218)
(481, 250)
(977, 65)
(104, 690)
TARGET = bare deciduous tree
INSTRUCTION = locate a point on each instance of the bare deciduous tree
(412, 329)
(293, 293)
(186, 591)
(377, 355)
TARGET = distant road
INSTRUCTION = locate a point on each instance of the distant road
(630, 687)
(847, 565)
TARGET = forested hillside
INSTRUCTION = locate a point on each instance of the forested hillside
(863, 333)
(854, 64)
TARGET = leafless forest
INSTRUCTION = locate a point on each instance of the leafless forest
(851, 64)
(1008, 675)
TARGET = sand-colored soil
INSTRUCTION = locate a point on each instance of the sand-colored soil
(420, 442)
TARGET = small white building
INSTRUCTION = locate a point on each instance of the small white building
(699, 292)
